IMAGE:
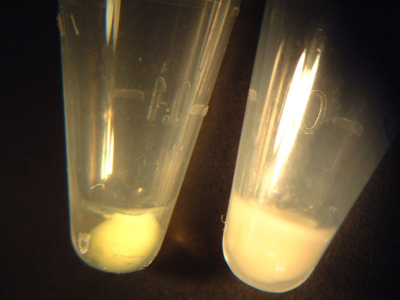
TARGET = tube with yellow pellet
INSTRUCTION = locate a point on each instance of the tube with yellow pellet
(124, 243)
(137, 79)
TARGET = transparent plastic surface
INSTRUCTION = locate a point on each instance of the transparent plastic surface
(313, 134)
(138, 75)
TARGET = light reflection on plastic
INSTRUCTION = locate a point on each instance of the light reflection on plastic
(292, 114)
(108, 146)
(113, 9)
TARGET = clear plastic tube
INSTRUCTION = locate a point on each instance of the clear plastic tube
(312, 136)
(138, 75)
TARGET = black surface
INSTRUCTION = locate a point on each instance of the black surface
(37, 259)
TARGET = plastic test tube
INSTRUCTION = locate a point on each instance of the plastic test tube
(137, 75)
(313, 135)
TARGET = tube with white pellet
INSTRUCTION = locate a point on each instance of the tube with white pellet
(312, 137)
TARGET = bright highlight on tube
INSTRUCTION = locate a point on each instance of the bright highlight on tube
(113, 11)
(107, 161)
(293, 113)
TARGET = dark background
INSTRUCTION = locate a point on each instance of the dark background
(37, 259)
